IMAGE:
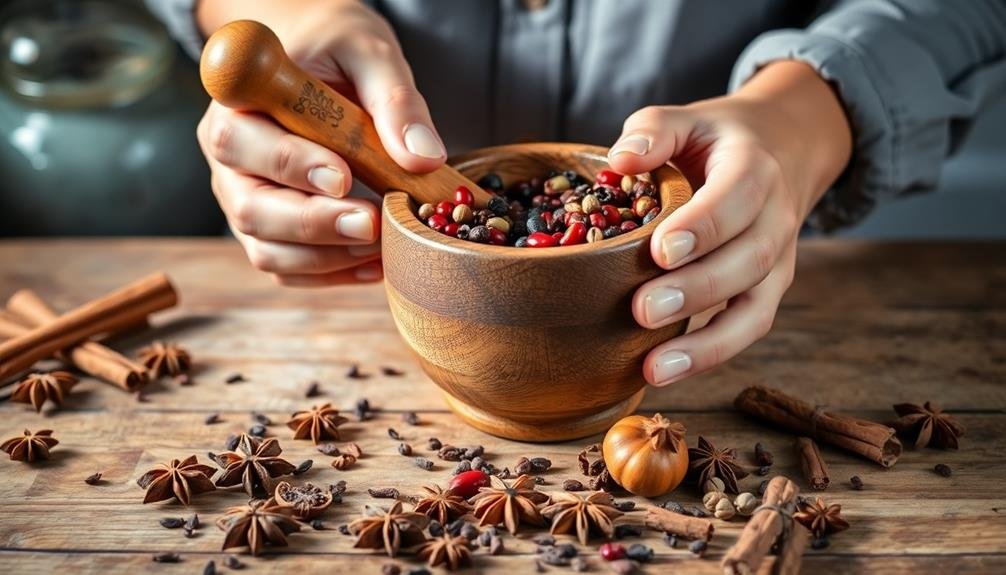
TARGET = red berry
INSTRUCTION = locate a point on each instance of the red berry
(437, 222)
(609, 178)
(445, 209)
(467, 484)
(611, 551)
(575, 234)
(628, 226)
(611, 214)
(496, 237)
(451, 229)
(541, 240)
(557, 236)
(548, 218)
(463, 195)
(598, 221)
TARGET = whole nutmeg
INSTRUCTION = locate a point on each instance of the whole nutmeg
(463, 214)
(746, 503)
(556, 185)
(500, 224)
(643, 205)
(627, 183)
(594, 235)
(573, 208)
(426, 210)
(590, 204)
(647, 456)
(713, 484)
(724, 509)
(709, 500)
(626, 214)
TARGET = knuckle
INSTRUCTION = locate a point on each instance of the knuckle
(707, 230)
(283, 155)
(242, 213)
(311, 216)
(400, 96)
(764, 254)
(708, 287)
(220, 140)
(763, 324)
(260, 258)
(717, 353)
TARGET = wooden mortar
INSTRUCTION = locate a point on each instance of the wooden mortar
(528, 344)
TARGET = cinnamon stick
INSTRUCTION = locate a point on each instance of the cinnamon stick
(773, 518)
(90, 357)
(868, 439)
(791, 553)
(815, 471)
(123, 307)
(675, 523)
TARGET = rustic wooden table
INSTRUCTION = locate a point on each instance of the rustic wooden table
(864, 326)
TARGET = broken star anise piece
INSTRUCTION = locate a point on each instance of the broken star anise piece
(927, 425)
(317, 423)
(307, 501)
(706, 462)
(389, 529)
(451, 552)
(253, 526)
(30, 446)
(165, 358)
(819, 517)
(510, 504)
(178, 479)
(593, 515)
(444, 506)
(256, 469)
(596, 470)
(35, 388)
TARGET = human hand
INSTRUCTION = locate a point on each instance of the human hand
(284, 196)
(759, 160)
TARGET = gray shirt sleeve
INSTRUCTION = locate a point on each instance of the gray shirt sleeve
(178, 16)
(912, 75)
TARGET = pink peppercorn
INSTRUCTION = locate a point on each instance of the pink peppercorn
(437, 222)
(541, 240)
(451, 229)
(611, 214)
(496, 237)
(575, 234)
(609, 178)
(611, 551)
(463, 195)
(445, 209)
(598, 220)
(628, 226)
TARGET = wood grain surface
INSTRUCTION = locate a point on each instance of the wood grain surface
(864, 326)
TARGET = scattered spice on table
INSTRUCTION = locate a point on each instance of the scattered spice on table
(680, 524)
(391, 371)
(927, 425)
(383, 492)
(212, 419)
(167, 558)
(306, 501)
(37, 388)
(343, 461)
(511, 504)
(452, 553)
(93, 479)
(423, 463)
(172, 522)
(165, 358)
(763, 457)
(814, 469)
(255, 467)
(180, 479)
(706, 461)
(943, 470)
(234, 378)
(304, 467)
(355, 373)
(441, 505)
(389, 529)
(582, 516)
(317, 423)
(856, 483)
(313, 390)
(820, 517)
(410, 418)
(256, 525)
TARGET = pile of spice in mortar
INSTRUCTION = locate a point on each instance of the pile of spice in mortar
(562, 209)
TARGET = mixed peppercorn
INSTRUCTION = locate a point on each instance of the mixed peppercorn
(562, 209)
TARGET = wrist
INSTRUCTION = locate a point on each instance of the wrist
(805, 124)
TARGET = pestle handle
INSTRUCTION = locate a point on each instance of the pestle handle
(245, 67)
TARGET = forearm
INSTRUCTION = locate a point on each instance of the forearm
(804, 122)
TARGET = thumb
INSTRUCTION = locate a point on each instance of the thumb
(383, 81)
(650, 137)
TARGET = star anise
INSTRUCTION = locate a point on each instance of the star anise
(593, 515)
(253, 526)
(819, 517)
(179, 479)
(165, 358)
(928, 425)
(706, 462)
(35, 388)
(30, 446)
(391, 529)
(307, 501)
(317, 423)
(510, 504)
(444, 506)
(255, 469)
(451, 552)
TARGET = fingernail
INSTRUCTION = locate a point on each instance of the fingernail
(670, 364)
(634, 144)
(328, 180)
(368, 272)
(365, 250)
(356, 224)
(676, 246)
(662, 302)
(420, 141)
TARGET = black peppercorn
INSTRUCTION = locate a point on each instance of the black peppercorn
(463, 231)
(498, 206)
(491, 181)
(521, 242)
(479, 234)
(651, 215)
(611, 231)
(640, 552)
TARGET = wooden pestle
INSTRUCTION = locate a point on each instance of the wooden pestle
(244, 67)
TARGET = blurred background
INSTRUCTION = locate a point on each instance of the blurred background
(98, 109)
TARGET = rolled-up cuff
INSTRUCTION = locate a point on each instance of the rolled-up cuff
(901, 138)
(180, 19)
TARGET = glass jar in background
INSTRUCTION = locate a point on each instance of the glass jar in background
(98, 111)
